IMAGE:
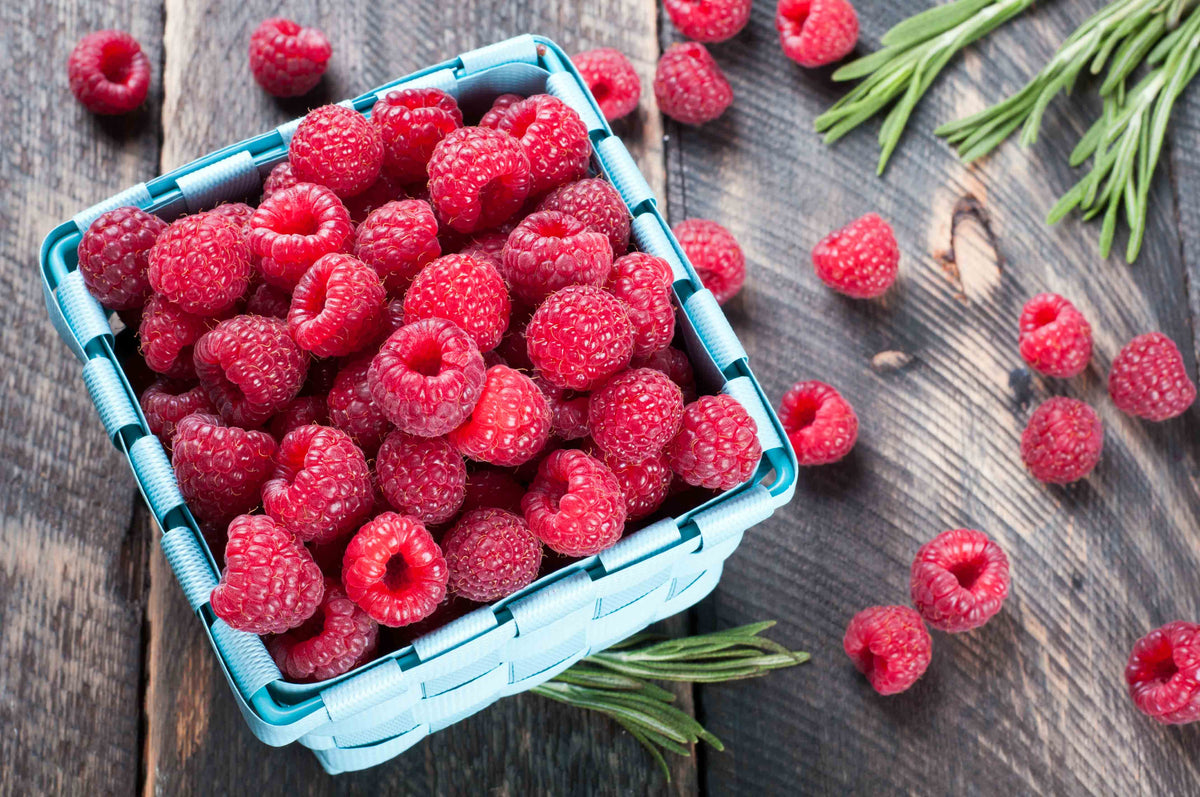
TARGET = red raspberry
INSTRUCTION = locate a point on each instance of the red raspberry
(1056, 339)
(281, 177)
(554, 138)
(597, 204)
(612, 80)
(295, 227)
(1062, 441)
(220, 469)
(321, 374)
(423, 477)
(568, 410)
(487, 244)
(644, 484)
(167, 334)
(166, 402)
(200, 263)
(108, 72)
(328, 556)
(643, 283)
(959, 580)
(286, 59)
(250, 368)
(398, 240)
(237, 212)
(816, 32)
(549, 250)
(382, 191)
(717, 446)
(509, 424)
(512, 349)
(1163, 673)
(394, 570)
(270, 583)
(351, 408)
(675, 364)
(1148, 379)
(860, 260)
(337, 307)
(635, 414)
(269, 301)
(478, 178)
(579, 337)
(300, 411)
(490, 554)
(427, 377)
(464, 290)
(337, 147)
(708, 20)
(113, 256)
(715, 254)
(689, 85)
(492, 488)
(411, 122)
(889, 645)
(575, 504)
(337, 638)
(321, 488)
(820, 424)
(499, 108)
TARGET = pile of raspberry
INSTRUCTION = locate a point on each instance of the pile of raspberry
(425, 357)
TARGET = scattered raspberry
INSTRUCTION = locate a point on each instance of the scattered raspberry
(250, 368)
(398, 240)
(689, 86)
(220, 469)
(337, 307)
(200, 263)
(492, 488)
(337, 147)
(300, 411)
(478, 178)
(269, 301)
(675, 364)
(860, 260)
(554, 138)
(550, 250)
(579, 337)
(575, 504)
(166, 402)
(1056, 339)
(612, 80)
(816, 32)
(820, 424)
(464, 290)
(490, 554)
(394, 570)
(715, 254)
(509, 424)
(113, 256)
(293, 228)
(1148, 379)
(643, 283)
(281, 177)
(385, 189)
(336, 639)
(708, 20)
(286, 59)
(644, 484)
(411, 122)
(717, 446)
(635, 414)
(889, 645)
(568, 410)
(1062, 441)
(237, 212)
(959, 580)
(597, 204)
(1164, 673)
(108, 72)
(488, 244)
(166, 336)
(423, 477)
(351, 408)
(500, 106)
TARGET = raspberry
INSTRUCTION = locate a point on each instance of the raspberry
(549, 250)
(643, 283)
(675, 364)
(113, 256)
(300, 411)
(860, 260)
(328, 556)
(337, 147)
(237, 212)
(108, 72)
(200, 263)
(579, 337)
(464, 290)
(597, 204)
(220, 469)
(398, 240)
(250, 368)
(270, 583)
(715, 254)
(1163, 673)
(488, 244)
(499, 108)
(568, 410)
(293, 228)
(337, 307)
(509, 424)
(166, 402)
(1148, 379)
(889, 645)
(384, 190)
(411, 122)
(427, 377)
(167, 335)
(644, 484)
(492, 488)
(267, 300)
(708, 20)
(717, 446)
(689, 86)
(611, 79)
(281, 177)
(321, 374)
(423, 477)
(1062, 441)
(554, 138)
(351, 408)
(575, 504)
(286, 59)
(490, 554)
(820, 424)
(959, 580)
(816, 32)
(1056, 339)
(635, 414)
(394, 570)
(337, 638)
(321, 488)
(478, 178)
(512, 349)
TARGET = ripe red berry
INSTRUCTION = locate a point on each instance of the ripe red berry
(643, 283)
(337, 307)
(108, 72)
(816, 32)
(644, 484)
(568, 410)
(398, 240)
(394, 570)
(490, 554)
(708, 20)
(635, 414)
(717, 446)
(166, 335)
(286, 59)
(715, 254)
(675, 364)
(492, 488)
(113, 256)
(250, 368)
(321, 488)
(575, 504)
(336, 147)
(411, 122)
(488, 245)
(337, 638)
(1056, 339)
(1148, 379)
(550, 250)
(579, 337)
(237, 212)
(597, 204)
(200, 263)
(860, 260)
(167, 402)
(1062, 441)
(352, 409)
(820, 424)
(689, 86)
(959, 580)
(1163, 673)
(269, 301)
(300, 411)
(554, 138)
(499, 107)
(385, 189)
(889, 645)
(424, 477)
(509, 424)
(293, 228)
(465, 290)
(478, 178)
(612, 80)
(220, 469)
(281, 177)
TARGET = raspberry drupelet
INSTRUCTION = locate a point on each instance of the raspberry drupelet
(287, 60)
(579, 337)
(1062, 441)
(959, 580)
(220, 469)
(201, 263)
(689, 85)
(463, 289)
(293, 228)
(108, 72)
(597, 204)
(1148, 379)
(336, 147)
(1055, 338)
(715, 254)
(816, 32)
(550, 250)
(889, 645)
(478, 178)
(1163, 673)
(113, 256)
(490, 554)
(821, 425)
(250, 367)
(398, 240)
(394, 570)
(643, 282)
(708, 20)
(575, 504)
(337, 638)
(635, 414)
(861, 260)
(337, 307)
(717, 446)
(612, 80)
(509, 424)
(411, 122)
(554, 138)
(423, 477)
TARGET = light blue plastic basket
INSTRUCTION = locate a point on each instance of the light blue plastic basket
(381, 709)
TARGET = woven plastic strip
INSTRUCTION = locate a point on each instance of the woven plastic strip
(449, 707)
(287, 130)
(228, 179)
(748, 396)
(398, 724)
(734, 515)
(656, 537)
(398, 706)
(249, 663)
(378, 683)
(60, 323)
(155, 476)
(82, 313)
(564, 86)
(652, 239)
(646, 583)
(516, 50)
(336, 760)
(443, 79)
(190, 565)
(108, 394)
(551, 602)
(137, 196)
(643, 573)
(572, 646)
(623, 173)
(713, 329)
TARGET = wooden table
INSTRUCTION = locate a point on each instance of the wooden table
(106, 685)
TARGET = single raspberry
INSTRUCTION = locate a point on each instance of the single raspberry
(423, 477)
(270, 583)
(464, 290)
(166, 336)
(286, 59)
(568, 410)
(269, 301)
(384, 190)
(411, 122)
(487, 244)
(675, 364)
(635, 414)
(398, 240)
(579, 337)
(708, 20)
(1056, 339)
(113, 256)
(478, 178)
(499, 107)
(237, 212)
(575, 504)
(250, 368)
(167, 402)
(959, 580)
(597, 204)
(549, 250)
(321, 488)
(1062, 441)
(1163, 673)
(820, 424)
(394, 570)
(337, 147)
(300, 411)
(509, 424)
(351, 408)
(490, 554)
(715, 254)
(717, 446)
(293, 228)
(492, 488)
(512, 349)
(554, 138)
(337, 307)
(201, 263)
(643, 283)
(860, 260)
(689, 85)
(816, 32)
(427, 377)
(281, 177)
(220, 469)
(612, 80)
(108, 72)
(889, 645)
(337, 638)
(644, 484)
(1148, 379)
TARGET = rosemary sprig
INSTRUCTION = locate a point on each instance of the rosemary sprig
(615, 683)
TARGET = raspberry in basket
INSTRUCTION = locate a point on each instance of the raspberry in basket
(394, 570)
(549, 250)
(269, 301)
(385, 189)
(689, 86)
(286, 59)
(237, 212)
(1062, 441)
(166, 335)
(499, 107)
(113, 256)
(200, 263)
(337, 638)
(492, 488)
(708, 20)
(554, 138)
(352, 409)
(337, 307)
(488, 244)
(220, 469)
(478, 178)
(816, 32)
(300, 411)
(959, 580)
(674, 363)
(821, 425)
(281, 177)
(579, 337)
(321, 488)
(568, 410)
(293, 228)
(465, 290)
(490, 554)
(167, 402)
(612, 80)
(635, 414)
(336, 147)
(715, 254)
(250, 368)
(509, 424)
(860, 260)
(644, 484)
(424, 477)
(1056, 339)
(643, 282)
(598, 205)
(1163, 673)
(889, 645)
(575, 504)
(411, 122)
(108, 72)
(1148, 379)
(398, 240)
(717, 446)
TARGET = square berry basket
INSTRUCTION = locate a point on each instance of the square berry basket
(382, 708)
